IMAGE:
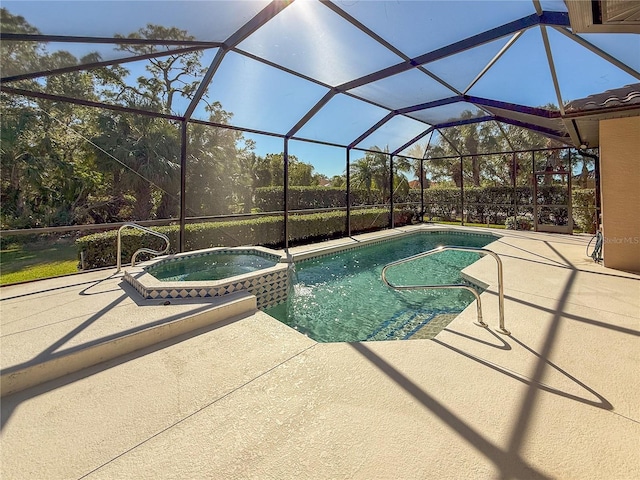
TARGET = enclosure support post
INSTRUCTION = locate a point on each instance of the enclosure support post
(596, 171)
(391, 221)
(534, 192)
(285, 197)
(461, 190)
(422, 190)
(514, 173)
(348, 170)
(183, 185)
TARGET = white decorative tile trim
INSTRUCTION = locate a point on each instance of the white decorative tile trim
(269, 285)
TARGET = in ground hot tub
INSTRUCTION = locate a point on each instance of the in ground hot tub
(214, 272)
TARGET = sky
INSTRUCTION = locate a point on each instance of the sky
(313, 40)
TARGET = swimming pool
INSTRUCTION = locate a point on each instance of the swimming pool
(341, 297)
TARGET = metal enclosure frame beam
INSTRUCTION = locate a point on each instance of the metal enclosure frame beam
(91, 66)
(547, 18)
(558, 21)
(261, 18)
(601, 53)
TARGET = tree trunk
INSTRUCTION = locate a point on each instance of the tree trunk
(143, 206)
(584, 175)
(168, 206)
(475, 165)
(456, 174)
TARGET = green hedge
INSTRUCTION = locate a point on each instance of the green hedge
(491, 204)
(584, 209)
(441, 203)
(270, 199)
(99, 249)
(495, 204)
(481, 204)
(518, 223)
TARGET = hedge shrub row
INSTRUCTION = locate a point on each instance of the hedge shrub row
(99, 249)
(481, 204)
(269, 199)
(518, 223)
(492, 204)
(495, 204)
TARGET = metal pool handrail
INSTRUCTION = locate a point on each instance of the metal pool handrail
(482, 251)
(140, 250)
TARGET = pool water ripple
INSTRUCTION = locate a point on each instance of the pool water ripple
(342, 297)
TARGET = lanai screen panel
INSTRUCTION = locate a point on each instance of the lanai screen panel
(341, 120)
(623, 46)
(393, 134)
(581, 72)
(524, 139)
(55, 55)
(132, 85)
(202, 20)
(416, 28)
(448, 113)
(551, 124)
(473, 139)
(521, 76)
(258, 96)
(403, 90)
(310, 39)
(461, 69)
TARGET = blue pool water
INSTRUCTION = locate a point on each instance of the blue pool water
(213, 266)
(341, 298)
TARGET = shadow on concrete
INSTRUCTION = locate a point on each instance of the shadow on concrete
(570, 316)
(549, 261)
(85, 291)
(519, 432)
(509, 465)
(51, 352)
(568, 266)
(91, 283)
(509, 462)
(13, 401)
(601, 403)
(503, 344)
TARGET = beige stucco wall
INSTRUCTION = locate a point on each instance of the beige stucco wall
(620, 191)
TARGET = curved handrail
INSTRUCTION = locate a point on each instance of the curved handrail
(140, 250)
(482, 251)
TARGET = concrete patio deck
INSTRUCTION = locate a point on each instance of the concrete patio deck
(245, 396)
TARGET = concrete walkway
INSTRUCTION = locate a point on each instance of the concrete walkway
(248, 397)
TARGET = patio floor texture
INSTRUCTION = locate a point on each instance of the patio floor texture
(242, 395)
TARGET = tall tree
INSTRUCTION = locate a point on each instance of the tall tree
(373, 175)
(45, 152)
(169, 76)
(214, 175)
(415, 154)
(142, 153)
(150, 148)
(19, 57)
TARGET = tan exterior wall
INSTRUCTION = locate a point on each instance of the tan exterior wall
(620, 192)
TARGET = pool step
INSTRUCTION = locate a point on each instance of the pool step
(176, 323)
(424, 323)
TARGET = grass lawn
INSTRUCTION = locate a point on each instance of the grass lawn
(32, 261)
